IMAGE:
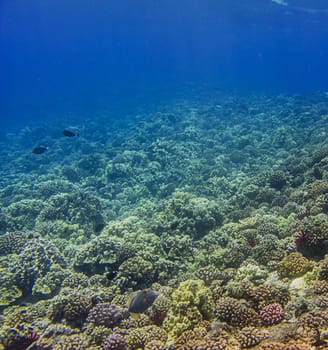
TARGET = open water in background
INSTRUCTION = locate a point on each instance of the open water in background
(77, 57)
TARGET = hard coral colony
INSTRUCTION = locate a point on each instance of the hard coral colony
(225, 231)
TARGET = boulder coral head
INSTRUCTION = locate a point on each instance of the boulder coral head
(272, 314)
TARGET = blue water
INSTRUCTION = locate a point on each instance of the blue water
(72, 57)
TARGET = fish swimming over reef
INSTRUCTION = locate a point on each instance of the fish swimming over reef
(140, 301)
(70, 133)
(40, 149)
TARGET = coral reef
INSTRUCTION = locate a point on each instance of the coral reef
(104, 314)
(251, 336)
(294, 265)
(272, 314)
(73, 308)
(218, 203)
(115, 342)
(103, 254)
(235, 313)
(12, 242)
(191, 303)
(38, 263)
(278, 179)
(140, 337)
(189, 214)
(310, 235)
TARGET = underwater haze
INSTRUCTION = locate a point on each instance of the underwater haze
(163, 175)
(73, 56)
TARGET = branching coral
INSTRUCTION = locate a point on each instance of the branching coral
(235, 313)
(115, 342)
(294, 265)
(264, 295)
(73, 308)
(272, 314)
(140, 337)
(105, 314)
(251, 336)
(191, 303)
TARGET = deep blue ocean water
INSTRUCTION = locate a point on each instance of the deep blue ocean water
(72, 57)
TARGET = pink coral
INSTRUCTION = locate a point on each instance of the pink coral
(115, 342)
(272, 314)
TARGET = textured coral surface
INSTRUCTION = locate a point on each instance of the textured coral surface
(219, 203)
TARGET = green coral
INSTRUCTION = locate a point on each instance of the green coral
(186, 213)
(136, 272)
(23, 214)
(192, 302)
(267, 250)
(141, 337)
(76, 341)
(317, 187)
(8, 291)
(12, 242)
(51, 282)
(103, 254)
(79, 208)
(249, 271)
(62, 229)
(37, 258)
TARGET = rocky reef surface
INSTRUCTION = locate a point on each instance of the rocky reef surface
(218, 203)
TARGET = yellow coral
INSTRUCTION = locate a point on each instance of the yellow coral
(294, 264)
(191, 303)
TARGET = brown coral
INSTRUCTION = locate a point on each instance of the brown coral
(73, 308)
(309, 326)
(72, 342)
(200, 339)
(291, 345)
(251, 336)
(321, 287)
(318, 155)
(317, 188)
(278, 179)
(323, 273)
(115, 342)
(155, 345)
(235, 313)
(105, 314)
(310, 235)
(264, 295)
(140, 337)
(272, 314)
(294, 264)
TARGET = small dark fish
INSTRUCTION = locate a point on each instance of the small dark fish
(40, 149)
(70, 133)
(142, 300)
